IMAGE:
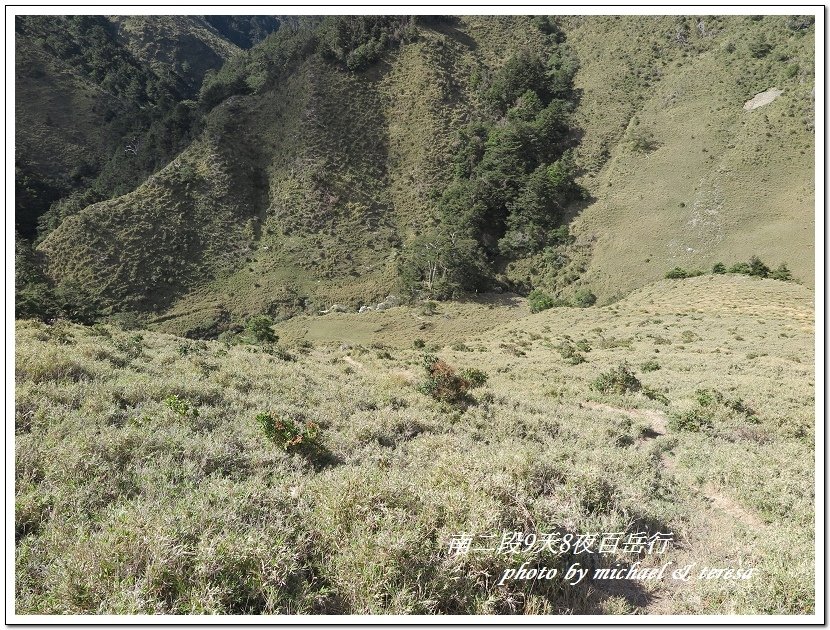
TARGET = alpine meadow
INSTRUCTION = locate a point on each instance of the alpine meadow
(415, 315)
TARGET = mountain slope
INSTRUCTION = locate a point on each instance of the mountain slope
(720, 183)
(342, 170)
(146, 483)
(89, 87)
(338, 165)
(187, 46)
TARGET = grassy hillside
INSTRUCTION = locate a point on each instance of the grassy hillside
(308, 254)
(349, 177)
(355, 163)
(145, 481)
(190, 225)
(682, 173)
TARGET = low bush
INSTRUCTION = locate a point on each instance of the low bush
(758, 268)
(584, 298)
(132, 346)
(181, 406)
(653, 394)
(443, 383)
(286, 433)
(711, 399)
(619, 380)
(742, 267)
(429, 308)
(694, 420)
(583, 345)
(781, 273)
(475, 377)
(259, 329)
(678, 273)
(689, 336)
(642, 141)
(538, 301)
(708, 397)
(570, 354)
(650, 366)
(739, 406)
(281, 353)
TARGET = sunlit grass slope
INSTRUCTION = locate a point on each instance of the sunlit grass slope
(128, 500)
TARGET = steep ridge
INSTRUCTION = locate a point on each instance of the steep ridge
(89, 87)
(343, 169)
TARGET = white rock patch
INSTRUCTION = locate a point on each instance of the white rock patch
(762, 98)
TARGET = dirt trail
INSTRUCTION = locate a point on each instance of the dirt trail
(659, 426)
(720, 513)
(657, 419)
(729, 506)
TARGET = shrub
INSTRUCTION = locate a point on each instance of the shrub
(419, 343)
(739, 406)
(100, 330)
(650, 366)
(759, 47)
(619, 380)
(281, 353)
(190, 347)
(181, 406)
(677, 273)
(653, 394)
(132, 346)
(429, 308)
(743, 268)
(688, 336)
(596, 495)
(757, 268)
(475, 377)
(442, 382)
(259, 329)
(128, 320)
(719, 268)
(538, 301)
(570, 354)
(711, 398)
(708, 397)
(583, 345)
(229, 338)
(286, 433)
(642, 141)
(694, 420)
(781, 273)
(35, 301)
(584, 298)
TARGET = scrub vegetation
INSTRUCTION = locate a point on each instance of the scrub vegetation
(156, 476)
